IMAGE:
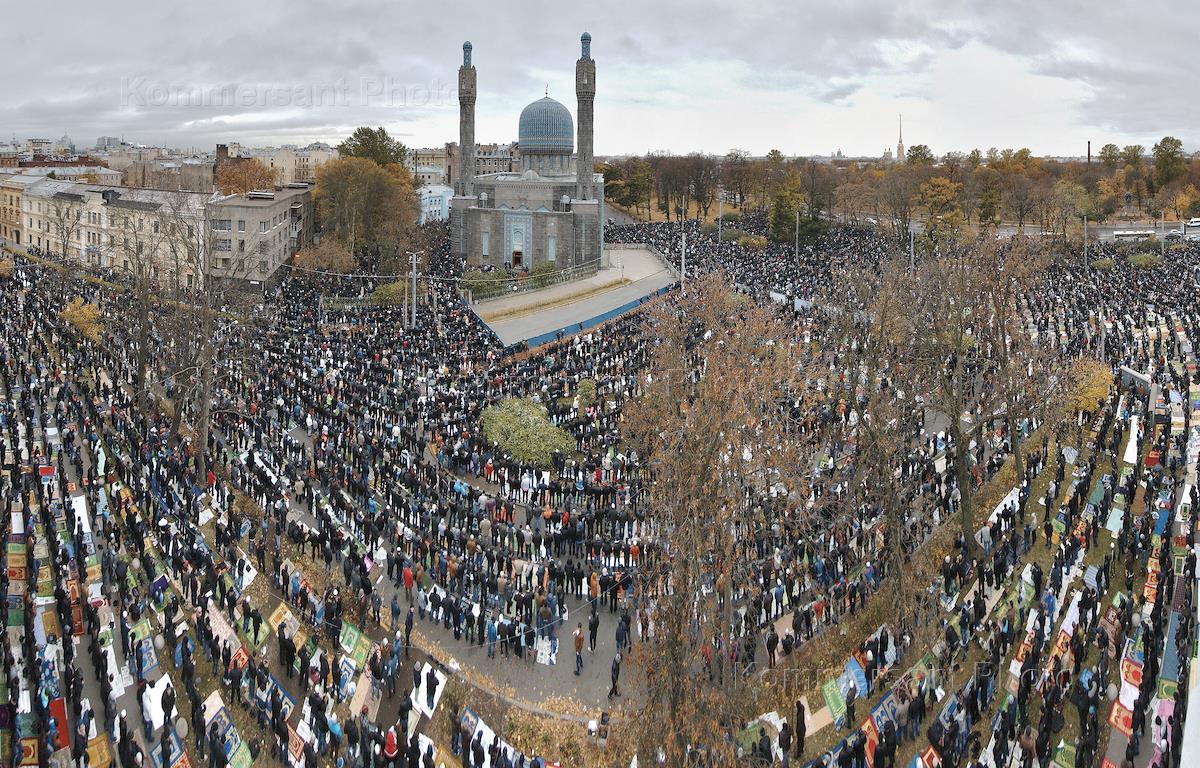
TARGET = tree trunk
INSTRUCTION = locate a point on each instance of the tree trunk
(962, 476)
(207, 374)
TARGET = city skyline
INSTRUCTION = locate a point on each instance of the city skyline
(806, 81)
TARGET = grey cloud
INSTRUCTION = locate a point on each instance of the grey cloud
(827, 50)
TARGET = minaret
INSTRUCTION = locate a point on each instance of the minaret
(900, 143)
(466, 124)
(585, 92)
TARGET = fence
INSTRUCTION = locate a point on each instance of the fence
(481, 286)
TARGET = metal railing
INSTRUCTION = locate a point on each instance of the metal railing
(497, 283)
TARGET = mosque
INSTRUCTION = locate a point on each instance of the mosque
(552, 209)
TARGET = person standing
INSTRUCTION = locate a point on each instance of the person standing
(578, 637)
(593, 628)
(616, 676)
(801, 729)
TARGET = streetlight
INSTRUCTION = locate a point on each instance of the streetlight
(413, 302)
(720, 217)
(1085, 238)
(797, 233)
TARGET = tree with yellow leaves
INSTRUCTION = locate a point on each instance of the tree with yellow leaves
(84, 318)
(242, 175)
(939, 197)
(1179, 197)
(328, 256)
(364, 204)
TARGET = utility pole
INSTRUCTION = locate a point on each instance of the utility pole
(683, 261)
(797, 251)
(1085, 258)
(413, 320)
(912, 252)
(720, 216)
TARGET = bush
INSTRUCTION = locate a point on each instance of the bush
(482, 285)
(733, 217)
(708, 228)
(1145, 260)
(84, 318)
(586, 392)
(6, 267)
(732, 235)
(391, 294)
(1103, 265)
(522, 429)
(753, 242)
(543, 274)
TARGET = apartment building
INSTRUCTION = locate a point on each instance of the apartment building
(12, 190)
(170, 235)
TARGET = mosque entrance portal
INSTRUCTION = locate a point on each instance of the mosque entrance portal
(518, 259)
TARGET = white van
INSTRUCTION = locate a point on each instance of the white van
(1194, 223)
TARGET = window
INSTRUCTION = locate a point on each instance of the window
(241, 225)
(156, 227)
(551, 251)
(241, 245)
(262, 226)
(190, 231)
(485, 242)
(221, 225)
(221, 245)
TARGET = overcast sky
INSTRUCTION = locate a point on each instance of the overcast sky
(804, 77)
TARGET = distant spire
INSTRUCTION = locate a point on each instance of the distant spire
(547, 93)
(901, 127)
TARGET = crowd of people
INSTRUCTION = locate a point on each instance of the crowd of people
(357, 439)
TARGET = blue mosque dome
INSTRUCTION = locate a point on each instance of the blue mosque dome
(546, 127)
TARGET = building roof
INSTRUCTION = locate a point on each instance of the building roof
(546, 126)
(69, 170)
(20, 179)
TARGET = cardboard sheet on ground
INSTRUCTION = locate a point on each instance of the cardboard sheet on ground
(419, 696)
(364, 695)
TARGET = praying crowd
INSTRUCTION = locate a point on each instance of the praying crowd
(352, 518)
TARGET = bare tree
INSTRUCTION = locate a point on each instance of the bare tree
(137, 255)
(209, 316)
(898, 195)
(709, 423)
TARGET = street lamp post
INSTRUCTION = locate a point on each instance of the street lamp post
(720, 217)
(413, 298)
(797, 248)
(683, 261)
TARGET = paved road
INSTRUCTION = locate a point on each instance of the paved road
(571, 315)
